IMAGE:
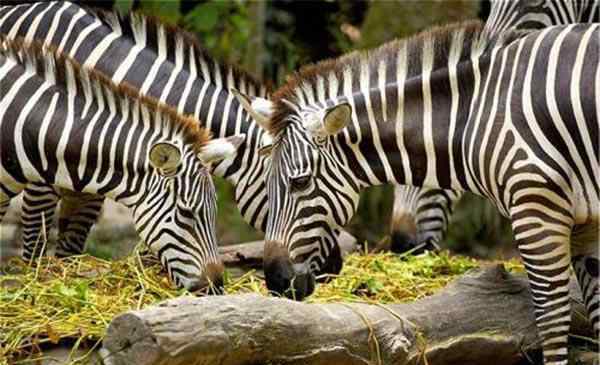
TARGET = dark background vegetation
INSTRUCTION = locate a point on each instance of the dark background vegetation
(271, 39)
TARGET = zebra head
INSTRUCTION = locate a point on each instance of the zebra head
(311, 192)
(177, 215)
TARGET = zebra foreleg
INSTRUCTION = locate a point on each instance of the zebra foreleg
(433, 210)
(542, 236)
(37, 218)
(420, 218)
(403, 227)
(78, 213)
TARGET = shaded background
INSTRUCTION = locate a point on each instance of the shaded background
(272, 38)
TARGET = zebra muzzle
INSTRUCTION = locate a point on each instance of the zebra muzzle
(284, 278)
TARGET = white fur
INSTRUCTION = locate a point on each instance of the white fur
(220, 149)
(260, 109)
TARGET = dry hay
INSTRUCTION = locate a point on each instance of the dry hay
(73, 300)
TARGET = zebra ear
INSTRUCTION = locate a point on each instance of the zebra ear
(337, 118)
(220, 149)
(165, 157)
(260, 109)
(329, 121)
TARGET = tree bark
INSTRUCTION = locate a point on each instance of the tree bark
(485, 317)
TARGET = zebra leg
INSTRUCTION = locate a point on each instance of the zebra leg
(420, 218)
(543, 235)
(586, 269)
(586, 252)
(5, 198)
(78, 213)
(37, 218)
(433, 210)
(403, 228)
(4, 208)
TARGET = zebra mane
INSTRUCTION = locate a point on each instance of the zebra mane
(62, 70)
(226, 75)
(466, 35)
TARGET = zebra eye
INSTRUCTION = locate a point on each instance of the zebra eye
(300, 183)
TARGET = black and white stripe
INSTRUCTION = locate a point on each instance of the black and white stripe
(538, 14)
(65, 127)
(516, 122)
(163, 62)
(421, 215)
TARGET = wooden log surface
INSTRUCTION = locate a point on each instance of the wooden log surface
(485, 317)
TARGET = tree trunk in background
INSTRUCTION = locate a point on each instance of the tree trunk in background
(485, 317)
(387, 20)
(253, 60)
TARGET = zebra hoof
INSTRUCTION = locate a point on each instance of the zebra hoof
(402, 242)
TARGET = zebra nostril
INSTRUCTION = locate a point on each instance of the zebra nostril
(294, 281)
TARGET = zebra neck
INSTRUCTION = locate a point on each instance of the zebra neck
(407, 132)
(162, 61)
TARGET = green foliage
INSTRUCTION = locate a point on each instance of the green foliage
(223, 27)
(123, 6)
(74, 296)
(477, 228)
(282, 53)
(371, 221)
(167, 11)
(231, 226)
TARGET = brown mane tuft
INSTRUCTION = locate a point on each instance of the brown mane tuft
(175, 32)
(307, 75)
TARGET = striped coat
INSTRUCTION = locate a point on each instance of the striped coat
(70, 127)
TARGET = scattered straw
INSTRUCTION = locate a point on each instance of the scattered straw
(73, 300)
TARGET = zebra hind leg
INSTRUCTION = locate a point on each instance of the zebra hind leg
(37, 218)
(586, 264)
(78, 213)
(543, 242)
(586, 269)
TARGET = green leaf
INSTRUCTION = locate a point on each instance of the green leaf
(123, 6)
(204, 17)
(167, 11)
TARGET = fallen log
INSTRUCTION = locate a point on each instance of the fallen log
(250, 254)
(485, 317)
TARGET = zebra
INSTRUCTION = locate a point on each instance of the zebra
(109, 32)
(163, 62)
(421, 215)
(144, 52)
(64, 125)
(367, 118)
(526, 15)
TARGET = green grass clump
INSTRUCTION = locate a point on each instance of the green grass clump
(386, 278)
(75, 299)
